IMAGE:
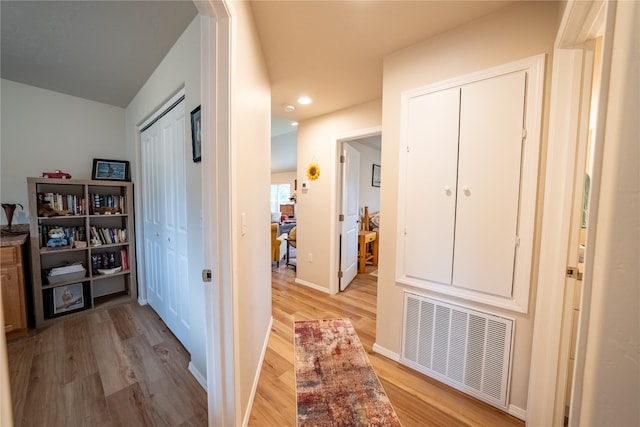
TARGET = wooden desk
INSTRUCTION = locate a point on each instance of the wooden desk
(366, 239)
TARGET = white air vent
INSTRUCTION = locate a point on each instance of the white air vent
(466, 349)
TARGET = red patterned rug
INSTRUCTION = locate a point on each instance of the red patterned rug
(335, 383)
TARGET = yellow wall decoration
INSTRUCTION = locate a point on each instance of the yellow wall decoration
(313, 171)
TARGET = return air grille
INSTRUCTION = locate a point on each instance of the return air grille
(467, 349)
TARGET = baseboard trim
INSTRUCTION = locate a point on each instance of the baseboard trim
(202, 379)
(518, 412)
(386, 352)
(143, 301)
(313, 286)
(254, 388)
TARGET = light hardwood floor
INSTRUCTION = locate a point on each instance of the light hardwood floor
(121, 367)
(116, 366)
(417, 399)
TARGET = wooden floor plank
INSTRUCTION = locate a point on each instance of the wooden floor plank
(129, 407)
(115, 370)
(79, 361)
(85, 403)
(21, 352)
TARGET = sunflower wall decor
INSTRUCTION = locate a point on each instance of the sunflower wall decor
(313, 171)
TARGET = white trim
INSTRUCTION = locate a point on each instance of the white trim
(216, 54)
(579, 24)
(202, 380)
(142, 301)
(517, 412)
(158, 112)
(314, 286)
(519, 301)
(334, 226)
(256, 379)
(386, 352)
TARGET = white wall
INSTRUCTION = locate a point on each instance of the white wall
(611, 374)
(42, 131)
(515, 32)
(284, 152)
(250, 178)
(317, 205)
(179, 69)
(368, 194)
(285, 178)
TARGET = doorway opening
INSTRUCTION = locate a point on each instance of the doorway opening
(358, 192)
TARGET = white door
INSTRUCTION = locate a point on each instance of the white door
(165, 220)
(349, 234)
(489, 163)
(432, 133)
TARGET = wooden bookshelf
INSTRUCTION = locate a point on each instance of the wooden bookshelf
(87, 222)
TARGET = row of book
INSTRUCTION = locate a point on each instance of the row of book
(75, 205)
(70, 203)
(108, 260)
(107, 236)
(115, 203)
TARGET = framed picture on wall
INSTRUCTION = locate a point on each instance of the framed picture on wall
(375, 176)
(110, 170)
(196, 134)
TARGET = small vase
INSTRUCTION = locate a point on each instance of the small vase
(9, 208)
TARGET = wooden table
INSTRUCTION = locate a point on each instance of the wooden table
(366, 239)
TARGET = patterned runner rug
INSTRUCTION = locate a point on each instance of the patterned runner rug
(335, 383)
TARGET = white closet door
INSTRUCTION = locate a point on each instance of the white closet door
(432, 134)
(491, 127)
(153, 162)
(165, 225)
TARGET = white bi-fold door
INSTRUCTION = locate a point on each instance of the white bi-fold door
(165, 220)
(462, 184)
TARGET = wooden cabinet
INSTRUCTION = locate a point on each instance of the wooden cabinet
(12, 282)
(86, 223)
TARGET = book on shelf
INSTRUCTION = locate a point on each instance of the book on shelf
(102, 204)
(124, 259)
(107, 236)
(69, 203)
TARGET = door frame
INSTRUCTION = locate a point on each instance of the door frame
(334, 225)
(581, 22)
(217, 44)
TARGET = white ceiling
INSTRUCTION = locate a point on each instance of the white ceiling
(331, 51)
(98, 50)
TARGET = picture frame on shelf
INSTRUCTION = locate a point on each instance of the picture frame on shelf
(375, 176)
(68, 298)
(196, 134)
(110, 170)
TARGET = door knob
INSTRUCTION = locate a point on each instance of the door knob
(467, 190)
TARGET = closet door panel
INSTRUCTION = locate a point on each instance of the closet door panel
(489, 164)
(432, 135)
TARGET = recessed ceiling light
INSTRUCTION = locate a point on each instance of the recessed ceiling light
(294, 123)
(288, 107)
(304, 100)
